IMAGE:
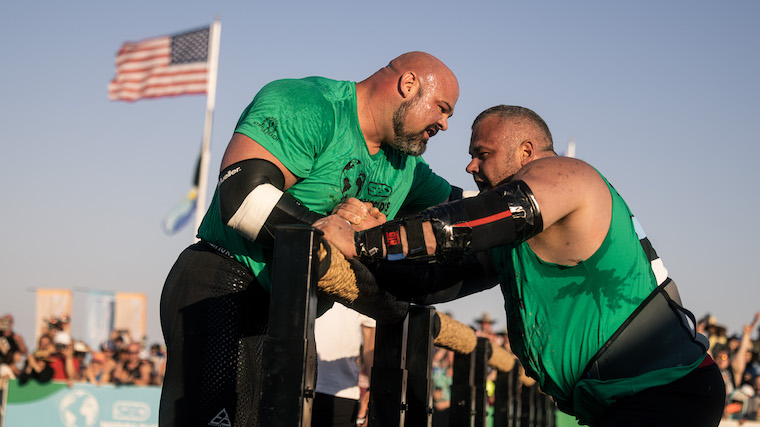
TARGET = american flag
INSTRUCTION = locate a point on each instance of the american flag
(162, 66)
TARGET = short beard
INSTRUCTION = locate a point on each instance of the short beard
(410, 143)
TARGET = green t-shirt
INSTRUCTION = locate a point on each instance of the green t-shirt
(560, 316)
(311, 125)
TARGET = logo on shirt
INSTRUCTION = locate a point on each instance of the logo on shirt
(269, 127)
(379, 190)
(352, 179)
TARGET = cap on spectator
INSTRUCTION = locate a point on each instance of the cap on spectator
(62, 338)
(485, 318)
(81, 347)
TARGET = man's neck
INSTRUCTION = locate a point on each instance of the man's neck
(370, 127)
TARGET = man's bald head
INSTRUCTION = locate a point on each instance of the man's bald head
(429, 69)
(406, 102)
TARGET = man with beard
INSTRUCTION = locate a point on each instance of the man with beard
(592, 314)
(300, 149)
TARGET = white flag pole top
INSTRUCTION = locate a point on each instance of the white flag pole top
(570, 148)
(213, 61)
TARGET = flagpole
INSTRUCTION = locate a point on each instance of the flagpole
(213, 59)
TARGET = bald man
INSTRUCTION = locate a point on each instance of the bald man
(301, 148)
(593, 315)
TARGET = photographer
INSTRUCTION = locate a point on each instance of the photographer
(64, 364)
(10, 342)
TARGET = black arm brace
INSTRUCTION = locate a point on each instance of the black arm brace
(505, 215)
(237, 183)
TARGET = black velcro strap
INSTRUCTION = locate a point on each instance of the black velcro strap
(369, 244)
(415, 237)
(392, 235)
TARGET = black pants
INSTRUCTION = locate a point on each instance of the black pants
(695, 400)
(333, 411)
(214, 318)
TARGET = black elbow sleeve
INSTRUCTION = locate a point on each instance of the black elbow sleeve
(253, 203)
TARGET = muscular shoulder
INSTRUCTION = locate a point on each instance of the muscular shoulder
(294, 96)
(575, 205)
(557, 168)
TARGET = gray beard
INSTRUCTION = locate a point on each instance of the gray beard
(407, 142)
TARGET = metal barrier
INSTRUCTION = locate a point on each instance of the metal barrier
(401, 390)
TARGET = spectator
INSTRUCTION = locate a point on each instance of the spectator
(135, 370)
(485, 328)
(723, 359)
(45, 343)
(9, 340)
(37, 368)
(62, 360)
(81, 350)
(100, 369)
(752, 408)
(345, 341)
(740, 358)
(10, 369)
(157, 358)
(716, 333)
(443, 369)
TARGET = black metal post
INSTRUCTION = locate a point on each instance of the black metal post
(462, 408)
(387, 397)
(290, 350)
(419, 365)
(482, 354)
(516, 391)
(502, 400)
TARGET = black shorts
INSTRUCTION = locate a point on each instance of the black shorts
(696, 400)
(214, 316)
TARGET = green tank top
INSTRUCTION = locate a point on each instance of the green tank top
(311, 125)
(559, 316)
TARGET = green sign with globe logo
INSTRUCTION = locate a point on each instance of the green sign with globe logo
(82, 405)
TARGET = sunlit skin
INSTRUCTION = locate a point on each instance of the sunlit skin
(429, 92)
(379, 98)
(495, 158)
(575, 202)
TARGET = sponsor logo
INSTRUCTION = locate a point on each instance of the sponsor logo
(229, 174)
(126, 410)
(379, 190)
(78, 408)
(221, 419)
(269, 127)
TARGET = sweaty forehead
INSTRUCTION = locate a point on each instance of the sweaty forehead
(479, 144)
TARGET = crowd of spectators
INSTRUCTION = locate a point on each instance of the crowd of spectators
(123, 360)
(56, 356)
(737, 358)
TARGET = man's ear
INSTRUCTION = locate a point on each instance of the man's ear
(526, 151)
(408, 84)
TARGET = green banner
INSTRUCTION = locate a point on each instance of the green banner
(82, 405)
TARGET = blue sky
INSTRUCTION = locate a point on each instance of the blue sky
(662, 97)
